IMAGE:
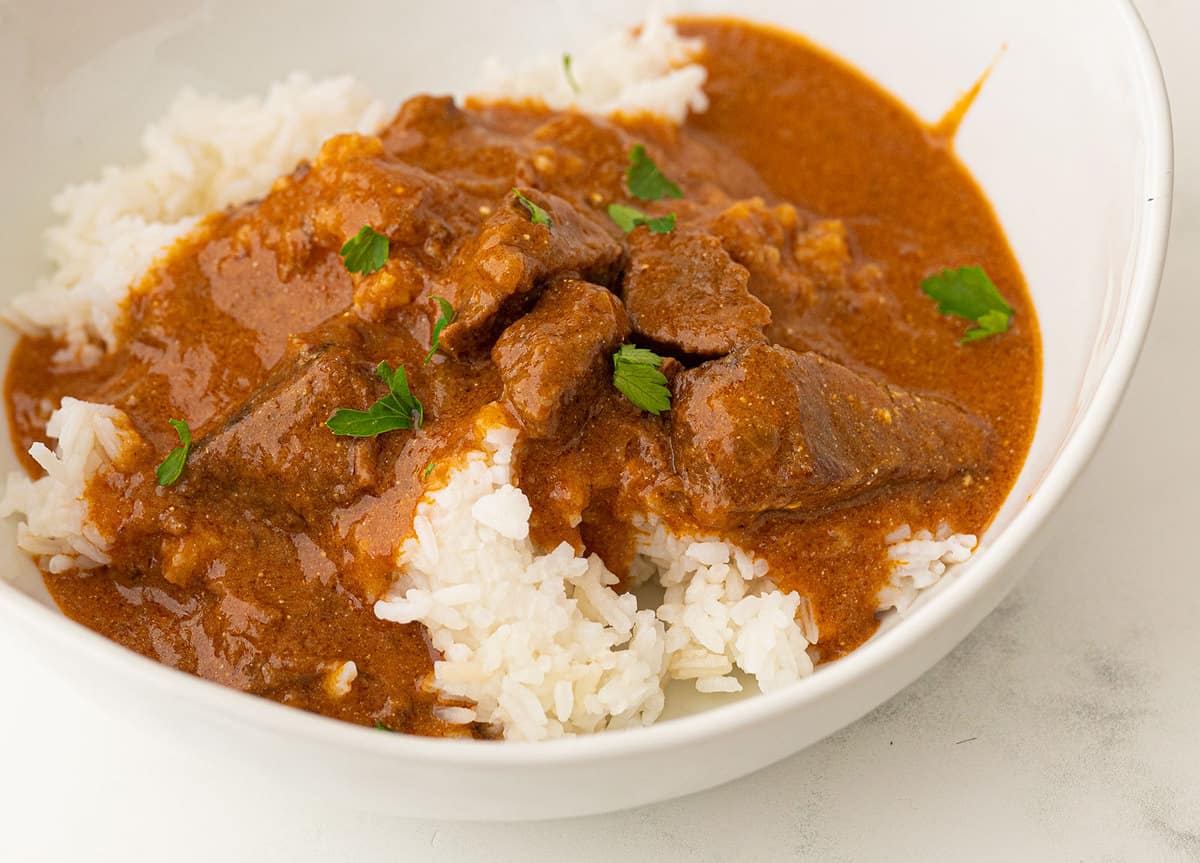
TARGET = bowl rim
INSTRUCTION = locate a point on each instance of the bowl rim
(1152, 230)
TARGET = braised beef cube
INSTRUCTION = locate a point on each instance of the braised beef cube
(557, 358)
(765, 428)
(422, 118)
(500, 271)
(788, 261)
(276, 449)
(804, 270)
(684, 294)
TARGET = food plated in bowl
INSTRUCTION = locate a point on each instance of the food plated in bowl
(397, 441)
(472, 380)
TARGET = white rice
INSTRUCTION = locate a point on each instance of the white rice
(204, 154)
(56, 527)
(339, 679)
(921, 559)
(539, 641)
(651, 72)
(722, 613)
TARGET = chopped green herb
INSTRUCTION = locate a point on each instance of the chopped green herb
(636, 375)
(172, 466)
(444, 320)
(644, 179)
(968, 293)
(990, 324)
(366, 251)
(399, 409)
(428, 470)
(628, 218)
(536, 214)
(379, 726)
(574, 85)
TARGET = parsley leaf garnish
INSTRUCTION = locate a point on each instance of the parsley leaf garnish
(968, 293)
(644, 179)
(379, 726)
(365, 252)
(628, 218)
(636, 375)
(428, 470)
(172, 466)
(399, 409)
(444, 320)
(536, 214)
(570, 76)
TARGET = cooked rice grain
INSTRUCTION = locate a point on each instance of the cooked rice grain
(539, 641)
(56, 527)
(650, 72)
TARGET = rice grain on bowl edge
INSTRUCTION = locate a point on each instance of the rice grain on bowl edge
(542, 642)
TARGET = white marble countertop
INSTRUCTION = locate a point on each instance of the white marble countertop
(1067, 727)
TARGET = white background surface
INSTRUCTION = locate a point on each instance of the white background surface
(1067, 727)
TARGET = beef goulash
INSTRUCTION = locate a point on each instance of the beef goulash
(807, 381)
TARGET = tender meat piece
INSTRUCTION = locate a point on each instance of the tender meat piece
(685, 294)
(498, 273)
(275, 448)
(766, 429)
(556, 359)
(581, 150)
(786, 266)
(803, 270)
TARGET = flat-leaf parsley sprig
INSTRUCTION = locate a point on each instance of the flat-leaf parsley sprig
(536, 214)
(628, 218)
(968, 293)
(636, 375)
(365, 252)
(171, 468)
(399, 409)
(569, 74)
(445, 319)
(645, 181)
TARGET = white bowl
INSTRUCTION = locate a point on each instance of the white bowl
(1070, 138)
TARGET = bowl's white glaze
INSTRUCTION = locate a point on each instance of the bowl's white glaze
(1071, 140)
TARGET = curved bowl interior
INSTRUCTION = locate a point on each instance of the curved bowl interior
(1070, 138)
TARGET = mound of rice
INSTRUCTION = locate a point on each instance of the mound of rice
(203, 155)
(56, 527)
(651, 71)
(540, 642)
(722, 612)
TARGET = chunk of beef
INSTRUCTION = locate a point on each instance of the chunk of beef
(499, 272)
(804, 270)
(786, 266)
(685, 294)
(556, 359)
(767, 429)
(585, 151)
(275, 448)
